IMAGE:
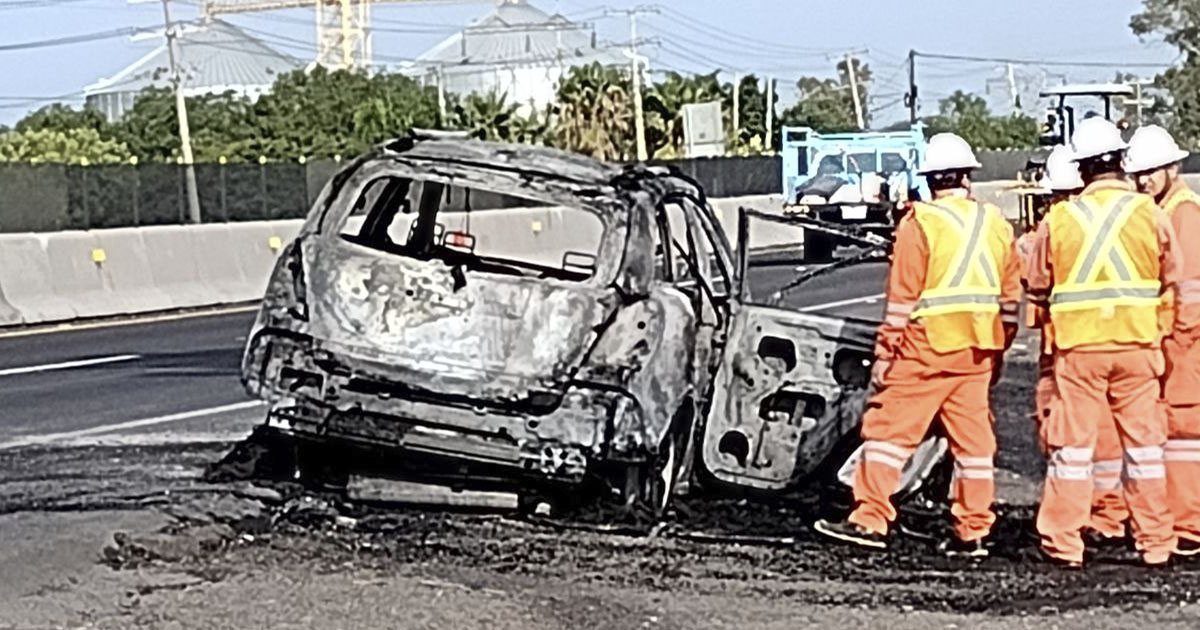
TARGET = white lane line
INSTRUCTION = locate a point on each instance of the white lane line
(66, 365)
(829, 305)
(47, 438)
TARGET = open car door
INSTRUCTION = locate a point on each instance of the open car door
(790, 385)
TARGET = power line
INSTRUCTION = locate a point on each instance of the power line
(739, 39)
(1043, 62)
(76, 39)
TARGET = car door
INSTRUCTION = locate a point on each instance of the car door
(788, 387)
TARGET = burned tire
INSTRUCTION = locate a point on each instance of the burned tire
(322, 469)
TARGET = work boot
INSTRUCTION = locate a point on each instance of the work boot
(1187, 547)
(848, 532)
(1094, 539)
(1039, 555)
(955, 548)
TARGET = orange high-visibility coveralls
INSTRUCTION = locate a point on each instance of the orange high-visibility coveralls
(1181, 383)
(1104, 260)
(1108, 501)
(954, 279)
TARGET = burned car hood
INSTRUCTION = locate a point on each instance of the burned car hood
(424, 325)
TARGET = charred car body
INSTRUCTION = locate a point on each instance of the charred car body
(494, 316)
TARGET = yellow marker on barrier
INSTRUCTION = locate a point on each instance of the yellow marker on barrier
(99, 255)
(275, 243)
(536, 227)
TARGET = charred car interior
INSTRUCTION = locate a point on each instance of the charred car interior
(490, 316)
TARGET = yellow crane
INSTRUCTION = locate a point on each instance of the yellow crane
(343, 26)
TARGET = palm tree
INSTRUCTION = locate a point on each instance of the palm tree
(594, 115)
(491, 117)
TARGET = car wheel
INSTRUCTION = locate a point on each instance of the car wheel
(321, 470)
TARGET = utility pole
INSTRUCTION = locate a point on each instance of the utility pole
(852, 75)
(639, 120)
(768, 143)
(1013, 95)
(911, 97)
(737, 122)
(185, 136)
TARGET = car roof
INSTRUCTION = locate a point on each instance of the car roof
(535, 160)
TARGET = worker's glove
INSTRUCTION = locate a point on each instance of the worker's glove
(997, 371)
(879, 373)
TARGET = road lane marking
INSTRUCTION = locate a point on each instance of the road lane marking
(46, 329)
(829, 305)
(67, 365)
(48, 438)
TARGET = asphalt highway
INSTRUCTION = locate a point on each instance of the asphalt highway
(178, 377)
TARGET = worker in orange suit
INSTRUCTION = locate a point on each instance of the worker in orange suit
(1109, 514)
(952, 309)
(1102, 263)
(1154, 160)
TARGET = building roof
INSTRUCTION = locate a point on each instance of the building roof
(517, 33)
(214, 57)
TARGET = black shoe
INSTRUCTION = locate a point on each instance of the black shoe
(1187, 547)
(1093, 539)
(1062, 563)
(955, 548)
(848, 532)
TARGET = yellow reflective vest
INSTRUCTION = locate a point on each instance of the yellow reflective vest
(969, 246)
(1105, 254)
(1182, 196)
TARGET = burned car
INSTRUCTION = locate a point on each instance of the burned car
(491, 316)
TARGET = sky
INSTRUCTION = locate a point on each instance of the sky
(784, 39)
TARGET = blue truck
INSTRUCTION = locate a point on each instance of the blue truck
(855, 179)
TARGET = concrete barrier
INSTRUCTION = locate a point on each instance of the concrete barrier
(217, 262)
(27, 282)
(65, 275)
(255, 245)
(175, 267)
(8, 314)
(128, 269)
(76, 263)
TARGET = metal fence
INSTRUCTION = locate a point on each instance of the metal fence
(44, 198)
(58, 197)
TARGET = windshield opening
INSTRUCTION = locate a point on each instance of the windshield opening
(479, 230)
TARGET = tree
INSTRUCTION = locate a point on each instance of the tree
(827, 105)
(968, 116)
(752, 116)
(69, 146)
(594, 115)
(59, 117)
(491, 117)
(1178, 22)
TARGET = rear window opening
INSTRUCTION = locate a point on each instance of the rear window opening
(477, 230)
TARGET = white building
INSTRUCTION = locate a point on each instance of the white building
(214, 58)
(519, 51)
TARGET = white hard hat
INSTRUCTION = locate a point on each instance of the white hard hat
(948, 152)
(1151, 147)
(1062, 174)
(1095, 136)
